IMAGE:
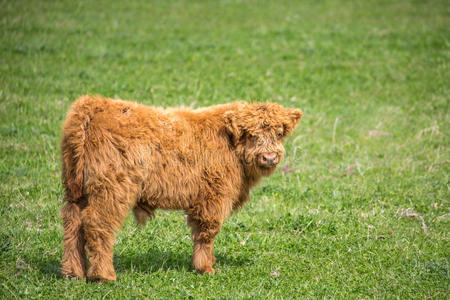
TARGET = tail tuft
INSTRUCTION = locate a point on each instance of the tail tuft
(73, 143)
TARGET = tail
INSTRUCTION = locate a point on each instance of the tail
(73, 144)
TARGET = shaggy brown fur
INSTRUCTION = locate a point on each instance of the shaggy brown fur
(120, 155)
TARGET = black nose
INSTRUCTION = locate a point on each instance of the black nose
(269, 159)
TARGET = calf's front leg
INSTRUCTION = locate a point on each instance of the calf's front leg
(203, 234)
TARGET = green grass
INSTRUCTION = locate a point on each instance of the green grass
(344, 221)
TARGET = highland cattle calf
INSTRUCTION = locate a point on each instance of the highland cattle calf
(120, 156)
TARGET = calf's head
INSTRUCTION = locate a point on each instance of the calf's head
(257, 131)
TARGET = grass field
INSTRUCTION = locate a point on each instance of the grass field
(359, 209)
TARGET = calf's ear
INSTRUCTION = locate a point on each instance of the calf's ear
(232, 128)
(293, 117)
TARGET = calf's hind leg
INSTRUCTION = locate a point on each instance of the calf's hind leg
(102, 217)
(74, 259)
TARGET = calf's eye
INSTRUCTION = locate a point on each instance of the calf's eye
(280, 135)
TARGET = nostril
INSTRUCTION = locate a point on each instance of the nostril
(270, 156)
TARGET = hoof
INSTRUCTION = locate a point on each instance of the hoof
(97, 277)
(71, 276)
(209, 270)
(100, 279)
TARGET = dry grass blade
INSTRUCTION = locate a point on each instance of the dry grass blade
(410, 213)
(377, 133)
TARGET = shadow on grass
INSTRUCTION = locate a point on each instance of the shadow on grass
(152, 261)
(155, 260)
(47, 267)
